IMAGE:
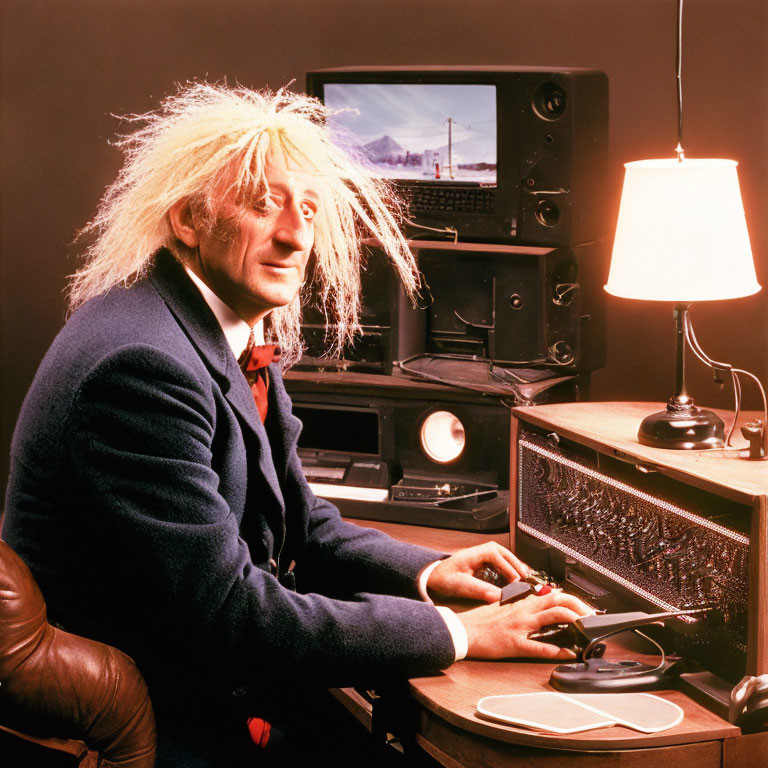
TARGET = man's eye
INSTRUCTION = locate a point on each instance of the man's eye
(308, 210)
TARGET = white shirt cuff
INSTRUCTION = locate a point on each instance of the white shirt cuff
(423, 578)
(452, 621)
(457, 630)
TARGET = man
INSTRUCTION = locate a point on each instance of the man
(158, 498)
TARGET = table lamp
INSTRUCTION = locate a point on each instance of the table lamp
(682, 237)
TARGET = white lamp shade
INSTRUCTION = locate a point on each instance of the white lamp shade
(681, 234)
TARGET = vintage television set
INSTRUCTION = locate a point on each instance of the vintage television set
(504, 172)
(486, 154)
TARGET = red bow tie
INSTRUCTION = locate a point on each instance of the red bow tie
(253, 363)
(256, 357)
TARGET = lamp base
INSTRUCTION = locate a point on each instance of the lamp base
(682, 426)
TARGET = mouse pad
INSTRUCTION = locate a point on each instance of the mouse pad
(570, 713)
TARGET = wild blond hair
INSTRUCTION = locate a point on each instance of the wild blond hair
(208, 143)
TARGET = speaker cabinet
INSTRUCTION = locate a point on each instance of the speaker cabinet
(530, 154)
(512, 305)
(522, 307)
(392, 325)
(562, 158)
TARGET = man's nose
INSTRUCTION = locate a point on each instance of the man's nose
(293, 230)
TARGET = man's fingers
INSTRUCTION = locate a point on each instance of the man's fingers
(519, 566)
(579, 606)
(507, 564)
(531, 649)
(556, 597)
(467, 586)
(557, 615)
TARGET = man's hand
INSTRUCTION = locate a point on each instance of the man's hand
(453, 576)
(501, 631)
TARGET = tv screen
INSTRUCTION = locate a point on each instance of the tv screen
(420, 131)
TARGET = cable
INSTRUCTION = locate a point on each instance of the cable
(762, 395)
(659, 666)
(442, 230)
(678, 74)
(598, 640)
(661, 650)
(719, 367)
(716, 366)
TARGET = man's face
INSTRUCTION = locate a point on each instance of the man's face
(255, 257)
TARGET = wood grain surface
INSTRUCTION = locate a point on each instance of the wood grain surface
(453, 696)
(454, 747)
(441, 539)
(615, 425)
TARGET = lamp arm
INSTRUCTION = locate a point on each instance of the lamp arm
(699, 352)
(719, 367)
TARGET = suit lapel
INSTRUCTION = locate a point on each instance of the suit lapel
(287, 426)
(203, 330)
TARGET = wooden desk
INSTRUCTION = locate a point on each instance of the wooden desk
(449, 731)
(441, 539)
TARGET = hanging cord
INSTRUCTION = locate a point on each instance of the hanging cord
(678, 74)
(754, 378)
(663, 655)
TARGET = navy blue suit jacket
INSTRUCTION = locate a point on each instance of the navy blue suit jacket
(148, 499)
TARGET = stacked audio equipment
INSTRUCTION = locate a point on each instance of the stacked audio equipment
(504, 170)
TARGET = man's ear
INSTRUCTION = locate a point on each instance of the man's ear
(182, 223)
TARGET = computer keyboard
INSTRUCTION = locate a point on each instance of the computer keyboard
(456, 199)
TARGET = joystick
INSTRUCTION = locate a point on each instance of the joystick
(592, 674)
(566, 636)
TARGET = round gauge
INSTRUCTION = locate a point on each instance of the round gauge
(442, 436)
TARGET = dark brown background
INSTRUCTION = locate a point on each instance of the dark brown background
(68, 65)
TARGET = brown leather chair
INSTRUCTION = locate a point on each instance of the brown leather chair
(62, 695)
